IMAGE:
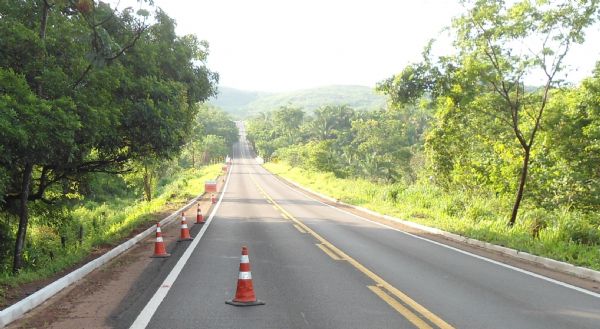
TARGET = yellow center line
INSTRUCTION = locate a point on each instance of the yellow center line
(299, 228)
(380, 281)
(328, 252)
(410, 316)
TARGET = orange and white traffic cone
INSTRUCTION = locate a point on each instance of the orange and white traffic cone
(159, 245)
(244, 294)
(199, 217)
(185, 231)
(213, 199)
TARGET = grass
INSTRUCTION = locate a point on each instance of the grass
(563, 235)
(104, 224)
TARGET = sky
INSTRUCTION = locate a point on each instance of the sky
(284, 45)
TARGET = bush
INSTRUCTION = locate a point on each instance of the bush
(578, 229)
(7, 244)
(478, 210)
(392, 192)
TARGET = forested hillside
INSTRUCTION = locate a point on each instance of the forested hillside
(464, 144)
(243, 104)
(235, 101)
(99, 127)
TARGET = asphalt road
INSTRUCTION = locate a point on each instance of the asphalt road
(318, 267)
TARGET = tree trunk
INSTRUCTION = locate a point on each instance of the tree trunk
(28, 169)
(147, 184)
(23, 218)
(523, 179)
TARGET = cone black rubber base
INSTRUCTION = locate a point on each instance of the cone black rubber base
(254, 303)
(160, 256)
(190, 239)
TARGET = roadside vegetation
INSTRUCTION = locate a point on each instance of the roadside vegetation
(62, 237)
(102, 128)
(467, 143)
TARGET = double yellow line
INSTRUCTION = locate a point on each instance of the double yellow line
(406, 306)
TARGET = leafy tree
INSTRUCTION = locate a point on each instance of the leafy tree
(87, 89)
(499, 47)
(210, 122)
(328, 122)
(275, 130)
(566, 167)
(381, 146)
(214, 121)
(287, 122)
(213, 147)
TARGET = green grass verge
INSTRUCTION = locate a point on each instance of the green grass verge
(568, 236)
(103, 225)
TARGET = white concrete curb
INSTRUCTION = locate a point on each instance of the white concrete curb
(552, 264)
(17, 310)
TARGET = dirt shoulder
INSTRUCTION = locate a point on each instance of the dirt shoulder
(90, 302)
(15, 294)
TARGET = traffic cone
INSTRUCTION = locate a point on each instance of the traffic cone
(213, 199)
(244, 294)
(185, 231)
(199, 217)
(159, 245)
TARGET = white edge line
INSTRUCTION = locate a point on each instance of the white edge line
(539, 276)
(146, 314)
(18, 309)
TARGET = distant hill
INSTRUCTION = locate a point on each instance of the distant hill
(234, 101)
(241, 103)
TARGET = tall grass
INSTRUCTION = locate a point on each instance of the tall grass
(103, 224)
(561, 234)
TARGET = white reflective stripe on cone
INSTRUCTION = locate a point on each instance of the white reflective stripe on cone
(158, 230)
(159, 239)
(184, 226)
(245, 276)
(244, 259)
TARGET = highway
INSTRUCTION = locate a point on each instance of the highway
(316, 266)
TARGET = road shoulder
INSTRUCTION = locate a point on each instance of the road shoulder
(94, 301)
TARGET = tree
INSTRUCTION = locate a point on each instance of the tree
(499, 48)
(328, 122)
(568, 168)
(88, 93)
(210, 123)
(213, 147)
(286, 123)
(381, 146)
(278, 129)
(214, 121)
